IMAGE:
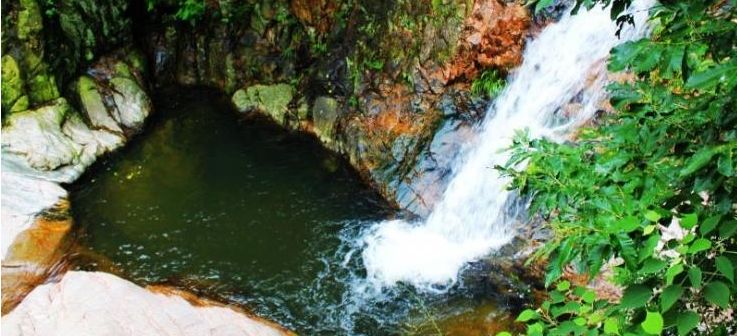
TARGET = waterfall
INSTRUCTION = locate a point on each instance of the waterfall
(557, 89)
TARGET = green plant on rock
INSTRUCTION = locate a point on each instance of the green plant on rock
(653, 187)
(571, 310)
(186, 10)
(190, 10)
(488, 84)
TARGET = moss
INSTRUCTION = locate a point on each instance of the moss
(89, 96)
(122, 70)
(30, 21)
(42, 89)
(231, 79)
(12, 83)
(271, 99)
(136, 60)
(21, 104)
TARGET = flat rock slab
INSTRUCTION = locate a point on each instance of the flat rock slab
(96, 303)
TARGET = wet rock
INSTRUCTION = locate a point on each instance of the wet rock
(324, 116)
(132, 104)
(95, 303)
(37, 251)
(45, 146)
(37, 135)
(423, 185)
(273, 100)
(92, 105)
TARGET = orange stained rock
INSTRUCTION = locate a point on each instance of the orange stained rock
(493, 37)
(36, 254)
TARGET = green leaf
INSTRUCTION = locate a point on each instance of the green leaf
(628, 250)
(652, 265)
(709, 224)
(709, 78)
(611, 326)
(695, 276)
(672, 272)
(699, 160)
(589, 297)
(725, 164)
(652, 216)
(717, 293)
(568, 308)
(504, 333)
(535, 329)
(526, 315)
(627, 224)
(649, 247)
(689, 221)
(686, 321)
(542, 4)
(635, 296)
(724, 266)
(653, 323)
(624, 55)
(727, 229)
(670, 295)
(563, 286)
(701, 244)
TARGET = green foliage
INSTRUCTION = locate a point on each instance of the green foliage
(653, 186)
(572, 310)
(190, 10)
(488, 84)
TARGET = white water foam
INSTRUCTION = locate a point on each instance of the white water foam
(565, 64)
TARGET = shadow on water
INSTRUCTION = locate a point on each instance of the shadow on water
(239, 210)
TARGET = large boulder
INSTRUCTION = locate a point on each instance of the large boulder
(95, 303)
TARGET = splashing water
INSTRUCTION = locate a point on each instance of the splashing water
(555, 90)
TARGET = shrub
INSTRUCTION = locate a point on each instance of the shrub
(654, 186)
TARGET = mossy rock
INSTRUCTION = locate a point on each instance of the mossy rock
(30, 21)
(91, 102)
(12, 83)
(137, 60)
(270, 99)
(42, 89)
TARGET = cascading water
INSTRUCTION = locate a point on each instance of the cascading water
(555, 90)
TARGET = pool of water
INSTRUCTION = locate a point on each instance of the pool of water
(237, 208)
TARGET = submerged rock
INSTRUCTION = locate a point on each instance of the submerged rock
(96, 303)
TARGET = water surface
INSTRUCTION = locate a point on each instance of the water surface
(239, 209)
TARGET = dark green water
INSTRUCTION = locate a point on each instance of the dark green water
(239, 209)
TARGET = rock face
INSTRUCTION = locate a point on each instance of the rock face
(52, 144)
(396, 121)
(95, 303)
